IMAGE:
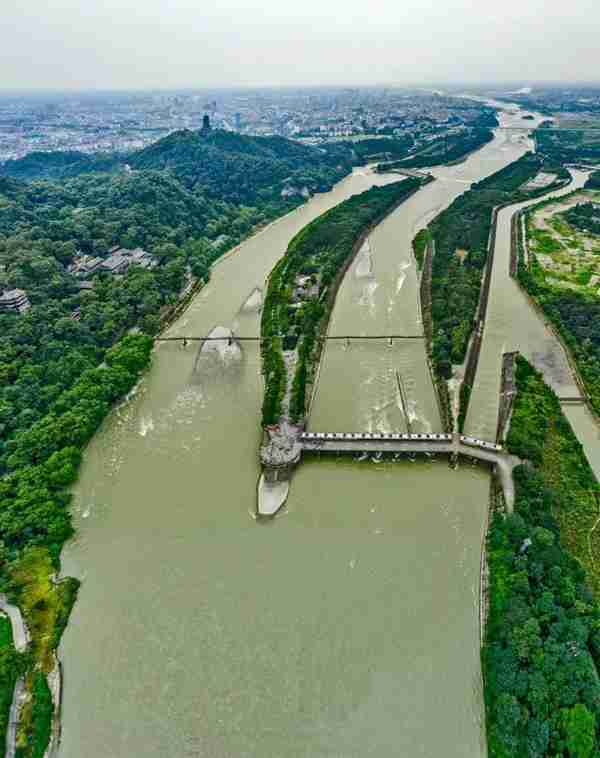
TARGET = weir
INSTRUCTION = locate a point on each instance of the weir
(453, 445)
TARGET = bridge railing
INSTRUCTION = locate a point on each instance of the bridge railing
(396, 437)
(399, 437)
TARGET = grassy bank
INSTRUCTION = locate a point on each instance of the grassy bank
(542, 644)
(299, 294)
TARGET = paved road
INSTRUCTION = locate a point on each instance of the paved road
(19, 630)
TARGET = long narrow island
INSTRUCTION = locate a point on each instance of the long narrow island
(300, 296)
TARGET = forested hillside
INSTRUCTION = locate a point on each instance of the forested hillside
(242, 169)
(223, 165)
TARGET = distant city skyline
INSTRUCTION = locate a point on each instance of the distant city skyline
(130, 44)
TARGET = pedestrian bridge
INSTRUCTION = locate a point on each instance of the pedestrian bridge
(449, 444)
(419, 441)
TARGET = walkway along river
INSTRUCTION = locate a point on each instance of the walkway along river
(348, 625)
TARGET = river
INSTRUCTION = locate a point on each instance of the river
(345, 627)
(512, 323)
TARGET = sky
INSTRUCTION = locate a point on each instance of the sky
(107, 44)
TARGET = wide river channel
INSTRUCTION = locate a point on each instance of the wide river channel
(346, 627)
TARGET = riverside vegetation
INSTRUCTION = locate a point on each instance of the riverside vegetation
(72, 356)
(542, 642)
(302, 286)
(445, 149)
(575, 313)
(461, 234)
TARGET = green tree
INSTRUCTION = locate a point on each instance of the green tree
(580, 728)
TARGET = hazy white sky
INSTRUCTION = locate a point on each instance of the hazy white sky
(198, 43)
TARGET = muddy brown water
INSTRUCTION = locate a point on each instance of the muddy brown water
(347, 626)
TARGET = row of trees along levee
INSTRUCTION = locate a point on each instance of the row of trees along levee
(301, 293)
(461, 234)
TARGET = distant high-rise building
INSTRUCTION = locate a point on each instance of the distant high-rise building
(237, 119)
(206, 124)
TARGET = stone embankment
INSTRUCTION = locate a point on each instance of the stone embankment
(55, 684)
(280, 453)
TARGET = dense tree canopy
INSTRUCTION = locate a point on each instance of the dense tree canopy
(542, 644)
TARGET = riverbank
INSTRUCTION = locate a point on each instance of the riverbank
(538, 595)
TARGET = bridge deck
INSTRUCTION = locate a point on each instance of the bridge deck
(322, 337)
